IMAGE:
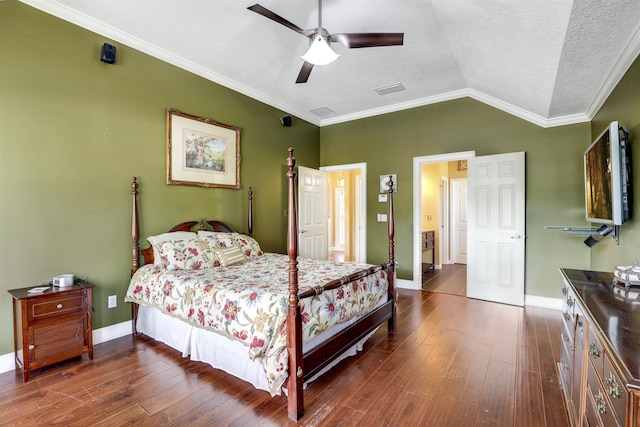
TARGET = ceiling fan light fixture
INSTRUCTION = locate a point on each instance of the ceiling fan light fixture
(320, 53)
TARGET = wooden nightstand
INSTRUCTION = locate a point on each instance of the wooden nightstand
(52, 326)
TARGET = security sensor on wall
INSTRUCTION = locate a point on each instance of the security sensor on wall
(286, 121)
(108, 53)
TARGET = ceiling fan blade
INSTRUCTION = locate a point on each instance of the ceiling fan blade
(280, 20)
(304, 72)
(355, 40)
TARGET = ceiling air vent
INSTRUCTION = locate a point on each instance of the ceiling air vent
(386, 90)
(323, 111)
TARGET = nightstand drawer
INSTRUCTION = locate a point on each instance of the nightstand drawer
(56, 305)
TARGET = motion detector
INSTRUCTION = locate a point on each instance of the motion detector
(286, 121)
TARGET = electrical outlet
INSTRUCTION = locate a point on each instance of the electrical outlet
(113, 301)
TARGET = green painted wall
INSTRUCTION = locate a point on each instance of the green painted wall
(554, 177)
(623, 105)
(74, 130)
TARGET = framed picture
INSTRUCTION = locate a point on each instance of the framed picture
(202, 152)
(462, 165)
(384, 182)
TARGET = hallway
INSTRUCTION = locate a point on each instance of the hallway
(451, 279)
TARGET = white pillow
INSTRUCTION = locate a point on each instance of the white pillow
(156, 242)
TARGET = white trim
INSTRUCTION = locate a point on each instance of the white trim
(417, 205)
(621, 66)
(543, 302)
(407, 284)
(70, 15)
(362, 167)
(108, 333)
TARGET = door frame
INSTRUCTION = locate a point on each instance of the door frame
(417, 206)
(361, 221)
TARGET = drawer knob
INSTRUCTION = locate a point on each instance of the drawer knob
(594, 351)
(31, 347)
(570, 302)
(59, 306)
(601, 404)
(567, 316)
(612, 386)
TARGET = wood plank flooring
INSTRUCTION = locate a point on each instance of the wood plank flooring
(453, 362)
(450, 279)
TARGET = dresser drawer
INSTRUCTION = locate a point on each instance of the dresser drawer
(603, 407)
(55, 305)
(595, 351)
(614, 388)
(565, 368)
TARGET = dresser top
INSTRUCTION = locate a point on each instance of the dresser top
(615, 310)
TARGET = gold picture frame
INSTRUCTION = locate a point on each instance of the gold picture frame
(462, 165)
(202, 152)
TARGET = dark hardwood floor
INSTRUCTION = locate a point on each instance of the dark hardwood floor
(454, 362)
(450, 279)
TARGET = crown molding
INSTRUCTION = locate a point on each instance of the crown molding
(622, 65)
(63, 12)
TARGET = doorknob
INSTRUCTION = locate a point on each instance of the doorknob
(302, 231)
(517, 236)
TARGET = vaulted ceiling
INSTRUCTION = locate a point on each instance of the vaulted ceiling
(551, 62)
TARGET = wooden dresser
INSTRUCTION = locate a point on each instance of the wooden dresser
(52, 326)
(600, 352)
(428, 246)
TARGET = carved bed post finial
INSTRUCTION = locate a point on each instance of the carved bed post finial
(250, 219)
(391, 325)
(295, 401)
(135, 229)
(203, 224)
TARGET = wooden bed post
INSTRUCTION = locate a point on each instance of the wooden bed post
(295, 402)
(391, 325)
(135, 246)
(250, 219)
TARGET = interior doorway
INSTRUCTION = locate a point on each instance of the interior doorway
(347, 212)
(434, 185)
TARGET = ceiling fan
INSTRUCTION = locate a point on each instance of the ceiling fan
(320, 52)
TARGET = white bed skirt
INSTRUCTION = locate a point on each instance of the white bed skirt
(218, 351)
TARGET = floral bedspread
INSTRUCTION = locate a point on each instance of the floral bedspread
(248, 302)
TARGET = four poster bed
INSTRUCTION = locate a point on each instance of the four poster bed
(274, 320)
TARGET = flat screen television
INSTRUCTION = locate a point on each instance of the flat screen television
(607, 177)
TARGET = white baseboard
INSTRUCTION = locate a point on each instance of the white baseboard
(406, 284)
(543, 302)
(108, 333)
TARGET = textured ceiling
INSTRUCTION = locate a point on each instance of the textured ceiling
(551, 62)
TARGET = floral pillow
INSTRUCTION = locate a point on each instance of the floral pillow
(190, 254)
(250, 246)
(156, 242)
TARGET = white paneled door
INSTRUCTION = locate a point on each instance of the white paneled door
(459, 220)
(313, 213)
(496, 228)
